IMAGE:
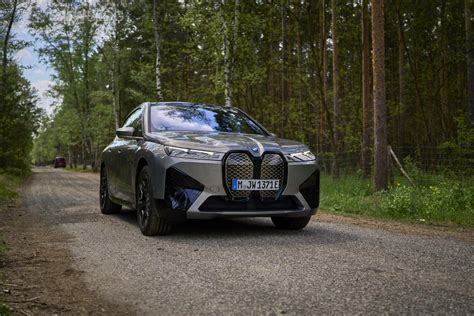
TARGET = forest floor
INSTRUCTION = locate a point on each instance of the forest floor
(64, 257)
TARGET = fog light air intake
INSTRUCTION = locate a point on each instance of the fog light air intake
(181, 190)
(310, 190)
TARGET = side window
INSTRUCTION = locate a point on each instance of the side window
(135, 120)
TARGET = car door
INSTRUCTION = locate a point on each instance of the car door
(125, 156)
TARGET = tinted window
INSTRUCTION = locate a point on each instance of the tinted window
(134, 120)
(200, 118)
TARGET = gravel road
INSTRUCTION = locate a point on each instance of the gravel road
(246, 266)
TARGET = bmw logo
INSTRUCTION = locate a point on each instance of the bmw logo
(255, 149)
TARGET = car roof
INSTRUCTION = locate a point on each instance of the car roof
(181, 103)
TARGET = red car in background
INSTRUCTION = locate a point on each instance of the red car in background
(59, 162)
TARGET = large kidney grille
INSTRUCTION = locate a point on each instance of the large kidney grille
(241, 166)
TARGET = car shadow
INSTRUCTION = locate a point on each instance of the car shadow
(248, 228)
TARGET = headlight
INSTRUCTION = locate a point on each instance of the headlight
(192, 153)
(301, 156)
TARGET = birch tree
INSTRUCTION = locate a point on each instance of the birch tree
(68, 33)
(229, 46)
(156, 29)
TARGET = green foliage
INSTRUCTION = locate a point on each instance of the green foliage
(10, 180)
(444, 201)
(4, 310)
(18, 119)
(19, 115)
(106, 61)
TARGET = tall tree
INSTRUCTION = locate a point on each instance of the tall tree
(469, 59)
(156, 29)
(227, 52)
(284, 65)
(366, 106)
(6, 42)
(336, 91)
(326, 120)
(18, 114)
(380, 111)
(229, 46)
(401, 70)
(68, 32)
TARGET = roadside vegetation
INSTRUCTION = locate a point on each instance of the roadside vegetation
(437, 199)
(80, 168)
(10, 180)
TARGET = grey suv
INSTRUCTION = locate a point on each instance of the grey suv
(173, 161)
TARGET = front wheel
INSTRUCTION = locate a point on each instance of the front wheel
(291, 223)
(106, 205)
(149, 221)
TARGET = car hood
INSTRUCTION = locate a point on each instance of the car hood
(223, 142)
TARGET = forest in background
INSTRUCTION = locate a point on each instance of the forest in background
(19, 116)
(302, 68)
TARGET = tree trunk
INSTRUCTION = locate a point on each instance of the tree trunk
(284, 64)
(228, 50)
(116, 71)
(443, 73)
(366, 109)
(83, 150)
(156, 28)
(236, 30)
(69, 156)
(336, 92)
(380, 112)
(324, 66)
(469, 60)
(401, 73)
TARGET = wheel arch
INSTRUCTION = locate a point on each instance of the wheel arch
(149, 155)
(142, 162)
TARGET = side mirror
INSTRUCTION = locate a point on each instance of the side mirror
(125, 132)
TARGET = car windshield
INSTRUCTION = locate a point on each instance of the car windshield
(200, 118)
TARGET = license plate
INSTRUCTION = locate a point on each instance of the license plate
(255, 184)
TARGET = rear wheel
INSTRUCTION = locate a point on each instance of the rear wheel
(106, 205)
(291, 223)
(149, 221)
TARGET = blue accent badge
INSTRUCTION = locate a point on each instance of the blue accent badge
(234, 184)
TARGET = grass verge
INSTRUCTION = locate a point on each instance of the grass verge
(437, 200)
(10, 180)
(80, 169)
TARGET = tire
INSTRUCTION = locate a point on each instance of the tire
(149, 221)
(106, 205)
(291, 223)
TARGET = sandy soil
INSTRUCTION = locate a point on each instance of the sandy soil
(37, 272)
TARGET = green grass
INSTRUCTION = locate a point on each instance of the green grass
(10, 180)
(80, 169)
(4, 310)
(438, 199)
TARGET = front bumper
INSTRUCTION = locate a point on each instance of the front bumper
(196, 189)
